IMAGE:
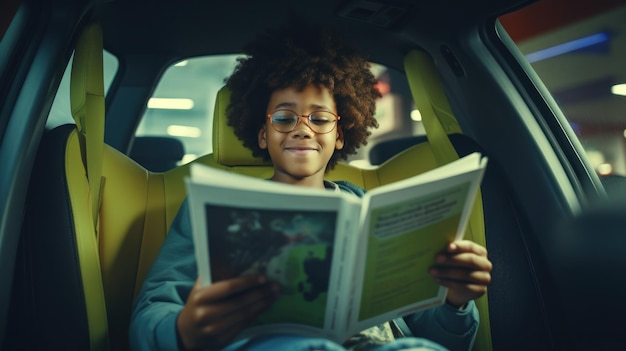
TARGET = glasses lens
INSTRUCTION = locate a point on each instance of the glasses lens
(284, 120)
(322, 121)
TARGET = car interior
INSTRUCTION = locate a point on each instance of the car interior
(89, 202)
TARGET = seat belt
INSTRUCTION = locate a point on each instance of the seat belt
(439, 122)
(87, 101)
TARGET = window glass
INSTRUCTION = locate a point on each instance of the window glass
(579, 54)
(182, 106)
(61, 111)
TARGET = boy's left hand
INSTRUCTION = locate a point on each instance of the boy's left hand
(464, 269)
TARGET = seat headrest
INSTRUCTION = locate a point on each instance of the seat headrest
(228, 150)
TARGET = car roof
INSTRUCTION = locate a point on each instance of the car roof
(383, 30)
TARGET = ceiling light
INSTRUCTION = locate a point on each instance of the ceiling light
(605, 169)
(184, 131)
(569, 46)
(619, 89)
(416, 115)
(170, 104)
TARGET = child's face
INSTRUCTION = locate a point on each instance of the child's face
(301, 153)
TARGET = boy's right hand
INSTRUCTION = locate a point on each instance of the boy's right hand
(214, 314)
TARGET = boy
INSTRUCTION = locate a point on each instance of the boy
(303, 100)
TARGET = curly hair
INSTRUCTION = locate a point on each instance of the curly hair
(295, 56)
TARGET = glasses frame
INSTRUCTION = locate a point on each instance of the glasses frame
(307, 123)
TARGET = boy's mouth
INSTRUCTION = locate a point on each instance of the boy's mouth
(300, 150)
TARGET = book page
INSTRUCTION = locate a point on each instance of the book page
(401, 245)
(293, 237)
(403, 230)
(291, 247)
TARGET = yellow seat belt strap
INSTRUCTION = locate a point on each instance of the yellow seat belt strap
(439, 121)
(87, 100)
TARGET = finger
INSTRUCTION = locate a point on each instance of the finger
(227, 311)
(245, 301)
(470, 290)
(469, 261)
(226, 288)
(215, 332)
(463, 276)
(240, 313)
(466, 246)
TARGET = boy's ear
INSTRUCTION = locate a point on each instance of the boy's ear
(262, 138)
(339, 141)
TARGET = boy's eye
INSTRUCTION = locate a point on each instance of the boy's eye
(320, 118)
(283, 118)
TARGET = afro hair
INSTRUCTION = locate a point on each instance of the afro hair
(295, 56)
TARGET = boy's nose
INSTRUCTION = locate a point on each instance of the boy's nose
(302, 129)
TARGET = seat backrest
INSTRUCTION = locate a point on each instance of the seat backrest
(386, 149)
(57, 299)
(157, 153)
(230, 154)
(594, 253)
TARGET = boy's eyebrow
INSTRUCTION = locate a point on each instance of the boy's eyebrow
(290, 105)
(293, 105)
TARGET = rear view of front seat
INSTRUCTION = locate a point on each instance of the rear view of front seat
(57, 300)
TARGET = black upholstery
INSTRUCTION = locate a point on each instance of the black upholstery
(47, 283)
(590, 257)
(157, 154)
(384, 150)
(516, 306)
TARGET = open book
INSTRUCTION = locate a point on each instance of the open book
(343, 263)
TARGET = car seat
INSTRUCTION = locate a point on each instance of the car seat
(386, 149)
(57, 300)
(589, 253)
(157, 153)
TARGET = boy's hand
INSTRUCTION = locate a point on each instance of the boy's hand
(465, 269)
(213, 315)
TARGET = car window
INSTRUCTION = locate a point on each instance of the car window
(181, 106)
(61, 111)
(579, 54)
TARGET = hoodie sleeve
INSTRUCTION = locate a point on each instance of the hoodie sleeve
(453, 328)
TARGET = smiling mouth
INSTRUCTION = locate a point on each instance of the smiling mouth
(300, 150)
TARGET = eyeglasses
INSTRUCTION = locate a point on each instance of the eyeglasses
(320, 122)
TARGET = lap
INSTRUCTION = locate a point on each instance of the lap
(280, 342)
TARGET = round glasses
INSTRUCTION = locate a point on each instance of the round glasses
(320, 122)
